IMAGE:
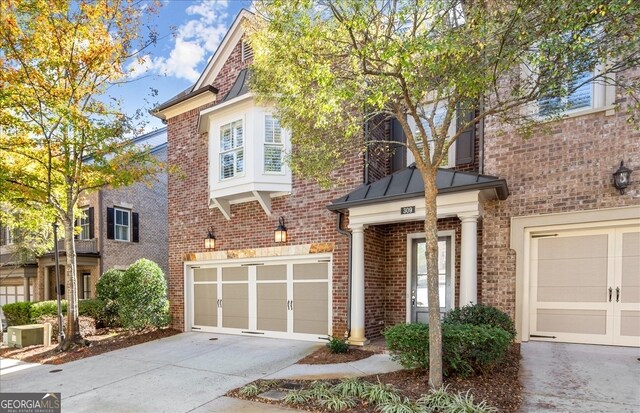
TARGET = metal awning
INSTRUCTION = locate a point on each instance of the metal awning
(407, 183)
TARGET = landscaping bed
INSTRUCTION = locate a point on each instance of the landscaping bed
(324, 356)
(103, 341)
(499, 389)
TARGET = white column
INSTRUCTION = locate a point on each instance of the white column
(47, 293)
(469, 260)
(356, 336)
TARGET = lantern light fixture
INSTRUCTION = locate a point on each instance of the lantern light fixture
(622, 178)
(280, 234)
(210, 240)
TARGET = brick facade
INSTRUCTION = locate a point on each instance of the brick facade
(565, 167)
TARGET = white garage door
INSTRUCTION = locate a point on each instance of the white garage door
(290, 299)
(585, 285)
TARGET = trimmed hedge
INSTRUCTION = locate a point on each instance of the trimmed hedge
(94, 309)
(47, 308)
(17, 314)
(143, 296)
(479, 314)
(466, 348)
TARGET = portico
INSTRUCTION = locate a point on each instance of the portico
(399, 198)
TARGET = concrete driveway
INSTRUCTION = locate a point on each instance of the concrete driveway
(183, 373)
(578, 378)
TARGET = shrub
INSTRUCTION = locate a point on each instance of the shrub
(143, 296)
(17, 314)
(479, 314)
(93, 309)
(469, 349)
(108, 290)
(337, 345)
(466, 348)
(409, 344)
(50, 307)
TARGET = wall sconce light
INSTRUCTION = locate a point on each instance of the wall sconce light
(280, 234)
(210, 241)
(621, 178)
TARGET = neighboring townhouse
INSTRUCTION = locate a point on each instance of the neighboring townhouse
(516, 219)
(118, 227)
(18, 268)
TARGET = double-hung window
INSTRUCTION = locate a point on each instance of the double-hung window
(121, 224)
(273, 145)
(83, 223)
(438, 119)
(581, 96)
(231, 150)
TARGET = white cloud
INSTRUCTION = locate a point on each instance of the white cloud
(194, 41)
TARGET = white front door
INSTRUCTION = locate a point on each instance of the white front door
(585, 285)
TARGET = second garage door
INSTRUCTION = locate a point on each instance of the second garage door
(276, 299)
(585, 285)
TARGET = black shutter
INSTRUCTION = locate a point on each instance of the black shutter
(398, 152)
(135, 220)
(465, 144)
(3, 241)
(91, 233)
(110, 223)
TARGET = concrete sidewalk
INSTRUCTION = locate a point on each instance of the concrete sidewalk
(189, 372)
(183, 373)
(578, 378)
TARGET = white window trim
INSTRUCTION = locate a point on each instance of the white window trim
(86, 282)
(236, 174)
(451, 153)
(266, 144)
(115, 224)
(81, 224)
(8, 235)
(603, 99)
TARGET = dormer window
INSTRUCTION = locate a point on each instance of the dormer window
(231, 150)
(273, 145)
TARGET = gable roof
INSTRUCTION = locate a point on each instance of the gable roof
(408, 183)
(229, 41)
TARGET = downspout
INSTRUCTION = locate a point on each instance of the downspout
(348, 235)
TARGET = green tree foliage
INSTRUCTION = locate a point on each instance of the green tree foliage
(62, 135)
(330, 66)
(143, 296)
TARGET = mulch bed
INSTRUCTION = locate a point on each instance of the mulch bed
(103, 341)
(500, 388)
(324, 356)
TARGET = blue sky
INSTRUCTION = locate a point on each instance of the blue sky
(189, 33)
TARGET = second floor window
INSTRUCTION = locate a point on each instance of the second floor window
(581, 97)
(231, 150)
(83, 223)
(121, 222)
(273, 146)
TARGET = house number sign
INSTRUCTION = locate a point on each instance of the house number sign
(408, 210)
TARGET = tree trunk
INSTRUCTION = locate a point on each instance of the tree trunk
(431, 234)
(72, 333)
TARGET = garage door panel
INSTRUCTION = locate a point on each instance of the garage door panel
(310, 307)
(235, 274)
(315, 271)
(235, 305)
(205, 305)
(574, 247)
(272, 307)
(271, 273)
(630, 323)
(205, 274)
(572, 321)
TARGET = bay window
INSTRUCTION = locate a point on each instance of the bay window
(231, 150)
(273, 145)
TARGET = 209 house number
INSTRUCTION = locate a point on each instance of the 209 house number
(408, 210)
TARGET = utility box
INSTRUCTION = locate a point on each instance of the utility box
(23, 336)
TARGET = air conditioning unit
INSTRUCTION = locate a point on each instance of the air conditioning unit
(27, 335)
